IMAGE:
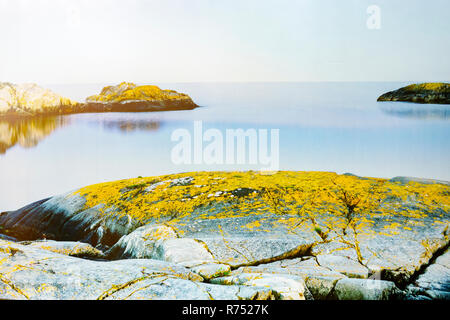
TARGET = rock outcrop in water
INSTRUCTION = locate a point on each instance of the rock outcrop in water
(31, 100)
(438, 93)
(129, 97)
(230, 235)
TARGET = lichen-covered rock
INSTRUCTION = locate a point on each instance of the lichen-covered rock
(405, 180)
(344, 265)
(70, 248)
(434, 282)
(200, 221)
(140, 243)
(396, 256)
(129, 97)
(289, 287)
(321, 287)
(438, 93)
(181, 250)
(66, 218)
(237, 250)
(34, 273)
(365, 289)
(211, 270)
(164, 288)
(31, 99)
(294, 268)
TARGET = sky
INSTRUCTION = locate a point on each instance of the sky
(85, 41)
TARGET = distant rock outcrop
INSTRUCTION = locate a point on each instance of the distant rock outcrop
(128, 97)
(30, 99)
(18, 100)
(438, 93)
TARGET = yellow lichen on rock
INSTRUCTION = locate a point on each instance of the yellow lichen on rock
(429, 92)
(431, 86)
(30, 98)
(244, 193)
(128, 91)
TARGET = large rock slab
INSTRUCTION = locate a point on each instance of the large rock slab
(237, 251)
(289, 287)
(295, 267)
(182, 250)
(70, 248)
(210, 270)
(344, 265)
(66, 218)
(391, 251)
(362, 289)
(141, 243)
(434, 282)
(33, 273)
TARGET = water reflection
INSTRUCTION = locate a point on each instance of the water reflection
(28, 132)
(132, 125)
(407, 110)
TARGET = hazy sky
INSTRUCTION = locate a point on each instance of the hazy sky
(90, 41)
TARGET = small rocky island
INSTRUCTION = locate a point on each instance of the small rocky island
(232, 235)
(437, 93)
(25, 100)
(128, 97)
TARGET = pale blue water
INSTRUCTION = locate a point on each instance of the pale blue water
(323, 126)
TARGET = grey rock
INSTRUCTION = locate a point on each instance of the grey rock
(33, 273)
(362, 289)
(305, 272)
(70, 248)
(141, 242)
(238, 251)
(289, 287)
(65, 218)
(211, 270)
(434, 282)
(399, 257)
(181, 250)
(164, 288)
(405, 180)
(321, 287)
(344, 265)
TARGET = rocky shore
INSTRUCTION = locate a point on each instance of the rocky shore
(232, 235)
(438, 93)
(27, 100)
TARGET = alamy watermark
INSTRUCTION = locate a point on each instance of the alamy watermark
(374, 20)
(259, 147)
